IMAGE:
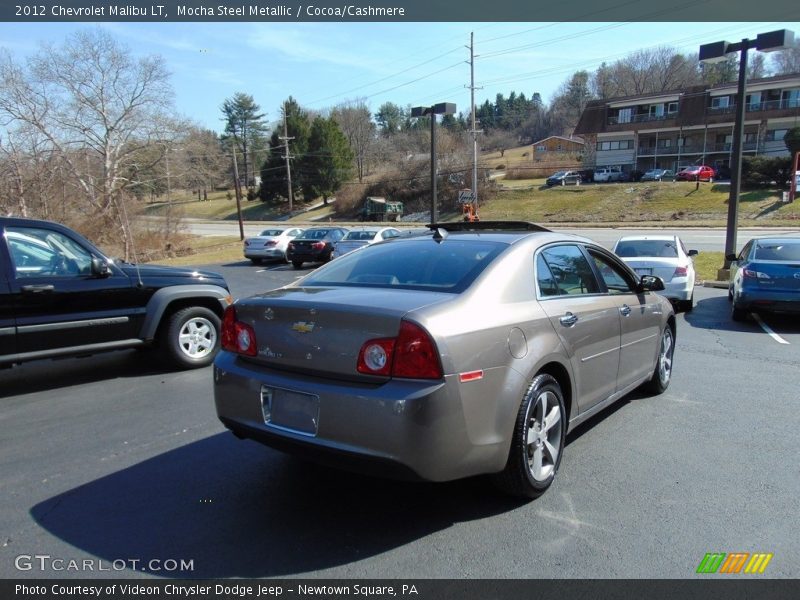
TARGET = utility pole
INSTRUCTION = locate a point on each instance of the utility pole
(238, 189)
(288, 157)
(473, 130)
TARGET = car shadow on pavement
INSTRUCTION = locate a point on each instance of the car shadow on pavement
(715, 314)
(237, 509)
(43, 375)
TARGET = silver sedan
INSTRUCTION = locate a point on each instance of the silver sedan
(471, 350)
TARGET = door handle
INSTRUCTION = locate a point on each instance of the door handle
(625, 310)
(568, 320)
(38, 288)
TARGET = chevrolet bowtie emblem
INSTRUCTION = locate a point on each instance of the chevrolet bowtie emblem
(303, 326)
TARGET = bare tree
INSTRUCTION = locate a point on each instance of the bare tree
(355, 121)
(96, 106)
(787, 61)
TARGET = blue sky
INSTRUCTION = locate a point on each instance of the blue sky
(322, 64)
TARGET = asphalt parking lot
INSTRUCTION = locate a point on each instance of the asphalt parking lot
(110, 458)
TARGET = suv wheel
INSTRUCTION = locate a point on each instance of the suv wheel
(191, 337)
(539, 436)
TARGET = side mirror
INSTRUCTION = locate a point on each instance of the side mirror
(100, 267)
(693, 252)
(731, 257)
(651, 283)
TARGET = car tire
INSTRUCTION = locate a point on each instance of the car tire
(688, 305)
(297, 263)
(662, 372)
(255, 261)
(737, 313)
(730, 294)
(191, 337)
(540, 432)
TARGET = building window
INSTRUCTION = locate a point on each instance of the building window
(615, 145)
(672, 108)
(541, 148)
(625, 115)
(720, 102)
(776, 135)
(790, 98)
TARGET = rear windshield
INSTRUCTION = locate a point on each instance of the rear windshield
(785, 250)
(272, 232)
(449, 266)
(314, 234)
(360, 235)
(649, 248)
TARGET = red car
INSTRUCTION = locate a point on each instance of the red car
(703, 173)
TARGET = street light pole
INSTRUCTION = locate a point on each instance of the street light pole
(736, 159)
(443, 108)
(718, 52)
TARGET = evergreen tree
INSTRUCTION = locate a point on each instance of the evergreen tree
(244, 124)
(328, 162)
(274, 183)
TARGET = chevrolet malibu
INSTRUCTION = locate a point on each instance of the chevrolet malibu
(472, 350)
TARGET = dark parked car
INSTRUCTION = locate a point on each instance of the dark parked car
(473, 349)
(701, 173)
(765, 277)
(60, 296)
(314, 245)
(564, 178)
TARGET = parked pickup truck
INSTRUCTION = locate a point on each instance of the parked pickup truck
(60, 296)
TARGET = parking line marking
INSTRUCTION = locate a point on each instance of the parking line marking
(766, 328)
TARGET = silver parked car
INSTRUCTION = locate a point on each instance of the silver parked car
(664, 256)
(363, 236)
(270, 244)
(473, 349)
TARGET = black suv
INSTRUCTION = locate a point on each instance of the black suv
(59, 296)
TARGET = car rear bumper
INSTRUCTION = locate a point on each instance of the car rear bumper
(681, 289)
(411, 429)
(766, 300)
(264, 253)
(317, 256)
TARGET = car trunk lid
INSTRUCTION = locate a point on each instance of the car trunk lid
(660, 267)
(321, 330)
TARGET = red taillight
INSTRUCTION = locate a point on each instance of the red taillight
(237, 337)
(318, 245)
(411, 355)
(681, 272)
(270, 243)
(290, 246)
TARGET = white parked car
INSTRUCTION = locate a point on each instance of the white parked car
(664, 256)
(363, 236)
(270, 244)
(606, 174)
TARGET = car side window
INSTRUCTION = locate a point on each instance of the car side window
(46, 253)
(571, 270)
(615, 278)
(745, 252)
(544, 279)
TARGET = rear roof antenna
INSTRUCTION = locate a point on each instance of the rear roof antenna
(440, 235)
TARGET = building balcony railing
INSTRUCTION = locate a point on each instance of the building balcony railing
(641, 118)
(694, 149)
(756, 106)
